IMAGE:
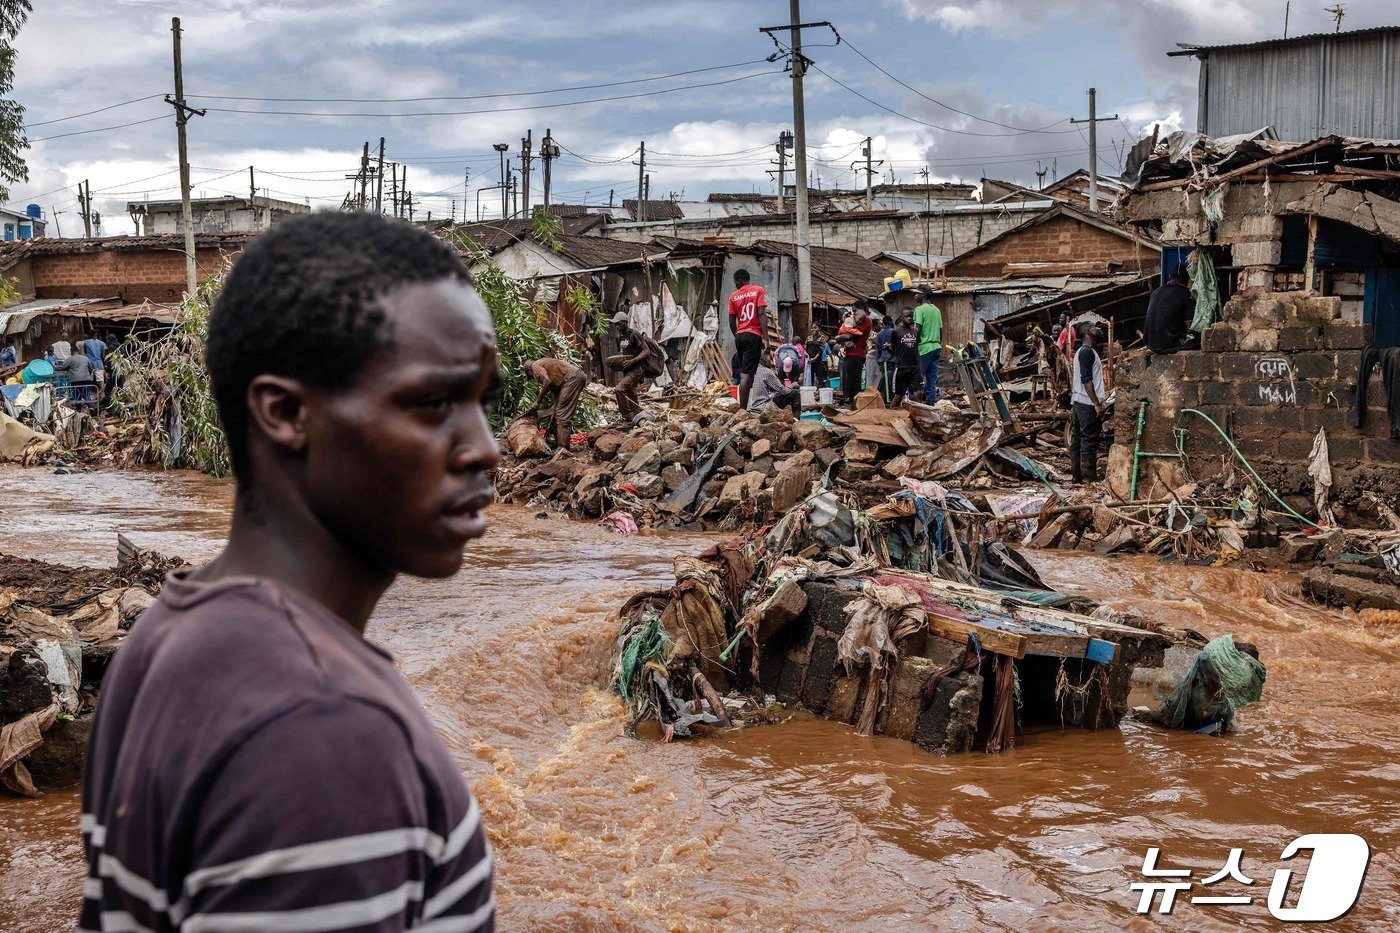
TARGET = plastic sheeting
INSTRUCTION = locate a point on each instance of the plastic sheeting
(1206, 289)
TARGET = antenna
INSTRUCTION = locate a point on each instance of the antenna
(1337, 12)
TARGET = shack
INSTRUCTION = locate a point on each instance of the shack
(1303, 239)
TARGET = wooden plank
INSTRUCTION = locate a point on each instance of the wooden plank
(1244, 169)
(991, 639)
(1057, 646)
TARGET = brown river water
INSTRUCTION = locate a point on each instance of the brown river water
(803, 825)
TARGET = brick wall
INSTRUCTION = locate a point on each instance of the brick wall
(1278, 368)
(135, 276)
(1061, 239)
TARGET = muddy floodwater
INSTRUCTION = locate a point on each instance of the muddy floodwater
(802, 825)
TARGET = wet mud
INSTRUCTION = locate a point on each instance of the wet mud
(804, 825)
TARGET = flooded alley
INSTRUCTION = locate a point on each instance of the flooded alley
(804, 824)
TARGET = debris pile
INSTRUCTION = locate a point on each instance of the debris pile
(59, 628)
(697, 462)
(900, 620)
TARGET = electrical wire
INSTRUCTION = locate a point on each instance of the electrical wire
(946, 106)
(101, 129)
(88, 113)
(410, 100)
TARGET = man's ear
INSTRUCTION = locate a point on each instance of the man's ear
(277, 408)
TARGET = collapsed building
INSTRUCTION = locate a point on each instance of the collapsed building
(1302, 243)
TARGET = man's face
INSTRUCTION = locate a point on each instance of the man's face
(861, 314)
(906, 317)
(396, 465)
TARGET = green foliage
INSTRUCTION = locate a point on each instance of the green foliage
(13, 142)
(165, 384)
(547, 229)
(521, 336)
(587, 305)
(9, 290)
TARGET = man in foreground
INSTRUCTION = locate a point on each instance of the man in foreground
(1170, 311)
(255, 763)
(1086, 400)
(563, 382)
(929, 319)
(747, 304)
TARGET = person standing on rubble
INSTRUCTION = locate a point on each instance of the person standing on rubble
(748, 305)
(1087, 401)
(1170, 311)
(816, 346)
(884, 357)
(255, 762)
(853, 338)
(95, 349)
(904, 349)
(636, 364)
(563, 382)
(930, 321)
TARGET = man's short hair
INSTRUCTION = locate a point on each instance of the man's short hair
(741, 275)
(302, 301)
(1181, 273)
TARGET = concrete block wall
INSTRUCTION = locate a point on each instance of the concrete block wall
(1278, 368)
(1061, 239)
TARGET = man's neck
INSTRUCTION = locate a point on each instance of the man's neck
(281, 541)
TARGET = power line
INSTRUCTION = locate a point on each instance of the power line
(409, 100)
(946, 106)
(100, 129)
(134, 100)
(456, 113)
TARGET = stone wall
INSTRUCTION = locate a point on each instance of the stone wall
(946, 232)
(1279, 367)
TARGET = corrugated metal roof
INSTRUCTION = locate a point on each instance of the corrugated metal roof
(1187, 48)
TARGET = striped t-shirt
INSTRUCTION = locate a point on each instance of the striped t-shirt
(255, 764)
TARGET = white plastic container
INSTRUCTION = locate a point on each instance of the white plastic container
(826, 396)
(809, 396)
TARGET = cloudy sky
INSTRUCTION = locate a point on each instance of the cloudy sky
(295, 87)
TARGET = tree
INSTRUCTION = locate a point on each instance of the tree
(13, 142)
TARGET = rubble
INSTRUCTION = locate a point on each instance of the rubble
(59, 628)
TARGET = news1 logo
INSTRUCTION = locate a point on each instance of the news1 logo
(1328, 889)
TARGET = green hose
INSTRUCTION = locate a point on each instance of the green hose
(1263, 485)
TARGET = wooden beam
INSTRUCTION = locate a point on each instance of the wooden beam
(991, 639)
(1216, 180)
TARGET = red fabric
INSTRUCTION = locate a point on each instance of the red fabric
(861, 332)
(744, 304)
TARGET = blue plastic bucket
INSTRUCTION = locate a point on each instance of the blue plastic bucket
(36, 371)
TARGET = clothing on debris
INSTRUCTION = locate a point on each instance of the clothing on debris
(1388, 360)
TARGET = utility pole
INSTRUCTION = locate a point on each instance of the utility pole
(526, 145)
(58, 231)
(85, 202)
(466, 192)
(797, 63)
(1094, 121)
(182, 116)
(501, 149)
(1040, 172)
(928, 209)
(641, 164)
(364, 176)
(869, 172)
(548, 153)
(379, 180)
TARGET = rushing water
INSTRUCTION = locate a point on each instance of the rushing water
(802, 825)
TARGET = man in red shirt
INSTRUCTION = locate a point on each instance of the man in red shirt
(853, 337)
(747, 305)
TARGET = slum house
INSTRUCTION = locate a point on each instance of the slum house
(1064, 260)
(1073, 190)
(213, 215)
(112, 284)
(1302, 243)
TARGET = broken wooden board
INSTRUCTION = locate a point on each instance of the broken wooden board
(960, 452)
(876, 425)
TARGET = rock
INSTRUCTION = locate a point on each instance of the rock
(826, 456)
(646, 459)
(782, 607)
(24, 686)
(762, 465)
(792, 482)
(860, 472)
(733, 459)
(58, 762)
(632, 443)
(667, 446)
(740, 487)
(1300, 549)
(649, 485)
(593, 478)
(772, 414)
(859, 451)
(772, 431)
(811, 435)
(691, 439)
(712, 488)
(673, 476)
(785, 442)
(607, 443)
(1337, 589)
(685, 456)
(761, 448)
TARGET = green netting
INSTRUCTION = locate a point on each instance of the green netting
(650, 642)
(1221, 680)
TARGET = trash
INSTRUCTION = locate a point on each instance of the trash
(620, 522)
(524, 439)
(1223, 679)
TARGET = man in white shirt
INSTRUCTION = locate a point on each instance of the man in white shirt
(1087, 401)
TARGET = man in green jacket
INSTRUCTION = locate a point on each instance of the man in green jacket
(930, 323)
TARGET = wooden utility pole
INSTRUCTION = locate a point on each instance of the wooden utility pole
(364, 176)
(869, 177)
(182, 116)
(784, 144)
(1094, 121)
(379, 180)
(85, 202)
(526, 144)
(641, 164)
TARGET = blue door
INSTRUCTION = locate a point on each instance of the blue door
(1382, 305)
